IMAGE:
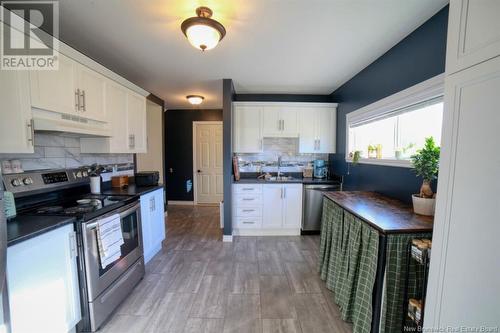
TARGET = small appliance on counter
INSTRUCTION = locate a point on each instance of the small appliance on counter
(119, 181)
(320, 169)
(307, 172)
(147, 178)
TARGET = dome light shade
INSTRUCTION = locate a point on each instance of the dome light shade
(195, 99)
(203, 32)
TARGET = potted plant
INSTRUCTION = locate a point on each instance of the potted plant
(355, 157)
(95, 178)
(372, 151)
(426, 165)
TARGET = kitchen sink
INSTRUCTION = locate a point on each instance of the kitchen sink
(281, 179)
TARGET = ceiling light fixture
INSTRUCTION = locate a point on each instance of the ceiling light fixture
(203, 32)
(195, 99)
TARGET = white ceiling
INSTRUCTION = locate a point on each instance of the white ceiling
(271, 46)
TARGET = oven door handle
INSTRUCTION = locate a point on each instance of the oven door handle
(124, 212)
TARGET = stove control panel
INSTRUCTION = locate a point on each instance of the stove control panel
(23, 183)
(55, 177)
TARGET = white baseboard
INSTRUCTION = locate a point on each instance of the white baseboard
(227, 238)
(180, 203)
(266, 232)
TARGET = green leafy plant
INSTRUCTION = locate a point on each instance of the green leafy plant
(426, 165)
(356, 156)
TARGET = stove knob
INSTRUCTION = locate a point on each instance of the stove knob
(27, 181)
(85, 174)
(15, 182)
(79, 174)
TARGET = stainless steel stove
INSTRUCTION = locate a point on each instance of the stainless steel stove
(67, 193)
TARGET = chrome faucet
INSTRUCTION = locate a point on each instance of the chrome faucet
(279, 166)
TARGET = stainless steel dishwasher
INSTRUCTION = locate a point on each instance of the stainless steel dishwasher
(313, 205)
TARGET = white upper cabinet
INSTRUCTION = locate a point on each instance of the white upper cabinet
(55, 90)
(247, 130)
(16, 125)
(317, 129)
(126, 114)
(71, 89)
(279, 120)
(473, 33)
(313, 123)
(136, 112)
(91, 88)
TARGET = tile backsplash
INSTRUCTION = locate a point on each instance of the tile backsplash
(55, 151)
(287, 148)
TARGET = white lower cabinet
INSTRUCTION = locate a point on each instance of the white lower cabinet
(42, 279)
(269, 209)
(152, 222)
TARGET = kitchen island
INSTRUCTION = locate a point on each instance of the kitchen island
(363, 256)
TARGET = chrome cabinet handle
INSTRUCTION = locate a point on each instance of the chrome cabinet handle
(77, 99)
(281, 194)
(247, 189)
(248, 222)
(282, 124)
(284, 192)
(31, 129)
(131, 141)
(84, 106)
(319, 144)
(248, 210)
(248, 199)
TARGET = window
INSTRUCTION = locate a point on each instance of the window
(389, 131)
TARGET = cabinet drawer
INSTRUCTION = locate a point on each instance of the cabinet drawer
(245, 200)
(248, 222)
(248, 188)
(248, 211)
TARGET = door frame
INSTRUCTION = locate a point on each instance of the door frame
(195, 181)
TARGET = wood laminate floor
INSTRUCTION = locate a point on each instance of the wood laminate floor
(255, 284)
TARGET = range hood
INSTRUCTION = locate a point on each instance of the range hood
(46, 121)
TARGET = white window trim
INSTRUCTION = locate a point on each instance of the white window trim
(431, 88)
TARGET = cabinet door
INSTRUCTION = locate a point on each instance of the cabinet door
(465, 216)
(307, 119)
(289, 126)
(325, 130)
(92, 88)
(272, 214)
(43, 287)
(158, 219)
(292, 205)
(55, 90)
(116, 110)
(16, 132)
(146, 217)
(247, 129)
(473, 33)
(136, 110)
(271, 121)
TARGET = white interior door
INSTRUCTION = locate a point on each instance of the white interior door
(208, 162)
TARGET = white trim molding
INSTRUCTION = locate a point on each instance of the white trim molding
(227, 238)
(284, 104)
(426, 90)
(266, 232)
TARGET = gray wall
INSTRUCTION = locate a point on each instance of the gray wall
(418, 57)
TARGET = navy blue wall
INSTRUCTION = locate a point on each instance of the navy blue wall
(418, 57)
(179, 149)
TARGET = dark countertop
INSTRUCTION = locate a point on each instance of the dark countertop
(387, 215)
(131, 190)
(24, 227)
(293, 181)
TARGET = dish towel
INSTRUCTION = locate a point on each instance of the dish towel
(109, 239)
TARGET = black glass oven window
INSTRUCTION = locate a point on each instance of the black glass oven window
(130, 234)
